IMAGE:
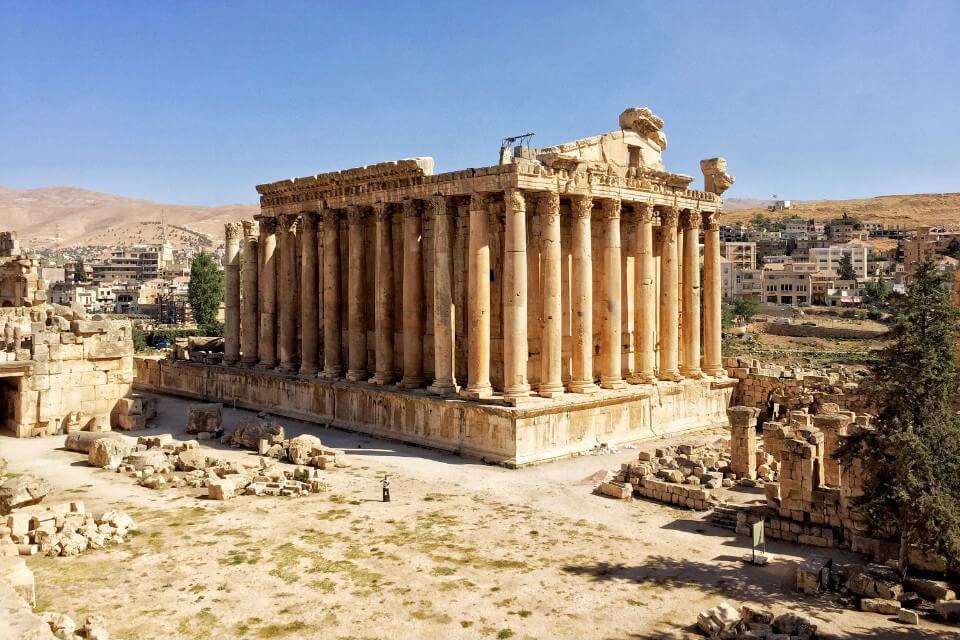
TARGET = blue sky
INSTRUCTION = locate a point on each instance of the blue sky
(196, 102)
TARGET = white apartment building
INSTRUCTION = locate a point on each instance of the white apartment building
(828, 258)
(138, 262)
(742, 255)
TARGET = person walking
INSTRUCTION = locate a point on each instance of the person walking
(386, 488)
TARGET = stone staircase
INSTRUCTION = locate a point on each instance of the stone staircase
(725, 515)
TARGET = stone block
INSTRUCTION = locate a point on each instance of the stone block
(906, 616)
(935, 590)
(880, 605)
(617, 490)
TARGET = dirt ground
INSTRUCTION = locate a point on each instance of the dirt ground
(464, 550)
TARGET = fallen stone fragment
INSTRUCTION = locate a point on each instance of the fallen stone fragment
(22, 491)
(933, 589)
(108, 452)
(880, 605)
(204, 418)
(249, 433)
(81, 441)
(906, 616)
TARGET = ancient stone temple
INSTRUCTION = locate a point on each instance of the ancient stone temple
(519, 312)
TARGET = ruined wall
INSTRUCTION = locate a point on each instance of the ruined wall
(777, 390)
(806, 331)
(62, 373)
(512, 436)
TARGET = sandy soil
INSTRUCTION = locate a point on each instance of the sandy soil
(464, 550)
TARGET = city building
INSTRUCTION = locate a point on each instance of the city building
(138, 262)
(742, 255)
(828, 258)
(786, 286)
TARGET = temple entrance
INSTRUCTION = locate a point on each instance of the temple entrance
(9, 405)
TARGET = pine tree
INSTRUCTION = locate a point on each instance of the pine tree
(911, 458)
(205, 291)
(846, 271)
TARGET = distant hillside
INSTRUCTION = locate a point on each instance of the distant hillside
(934, 209)
(91, 218)
(739, 204)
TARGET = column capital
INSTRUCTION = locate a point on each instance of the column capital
(644, 211)
(690, 220)
(479, 200)
(356, 214)
(438, 205)
(267, 225)
(232, 230)
(331, 215)
(309, 221)
(515, 199)
(251, 229)
(548, 203)
(289, 222)
(381, 212)
(669, 216)
(410, 208)
(610, 207)
(581, 206)
(711, 220)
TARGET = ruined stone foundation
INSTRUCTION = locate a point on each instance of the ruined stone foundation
(540, 430)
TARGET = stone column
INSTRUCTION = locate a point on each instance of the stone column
(834, 427)
(690, 328)
(551, 305)
(289, 300)
(412, 296)
(611, 376)
(478, 300)
(581, 284)
(356, 319)
(249, 304)
(383, 322)
(743, 441)
(669, 311)
(268, 293)
(231, 294)
(309, 310)
(444, 310)
(645, 312)
(515, 346)
(332, 298)
(712, 291)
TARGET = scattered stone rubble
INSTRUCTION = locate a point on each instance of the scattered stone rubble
(204, 419)
(879, 589)
(724, 622)
(62, 530)
(687, 475)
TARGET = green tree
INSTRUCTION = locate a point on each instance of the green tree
(205, 291)
(953, 249)
(744, 308)
(911, 458)
(875, 294)
(846, 271)
(80, 275)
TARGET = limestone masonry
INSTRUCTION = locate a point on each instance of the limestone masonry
(518, 312)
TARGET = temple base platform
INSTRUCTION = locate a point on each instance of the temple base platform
(529, 432)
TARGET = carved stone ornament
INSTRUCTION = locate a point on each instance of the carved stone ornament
(715, 177)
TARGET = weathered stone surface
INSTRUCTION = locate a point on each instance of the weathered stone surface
(249, 433)
(949, 610)
(617, 490)
(204, 418)
(81, 441)
(108, 452)
(17, 620)
(15, 572)
(61, 625)
(149, 458)
(22, 491)
(302, 448)
(906, 616)
(935, 590)
(194, 459)
(880, 605)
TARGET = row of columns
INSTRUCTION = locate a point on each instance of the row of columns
(275, 296)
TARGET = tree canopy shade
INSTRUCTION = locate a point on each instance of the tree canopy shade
(911, 458)
(205, 290)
